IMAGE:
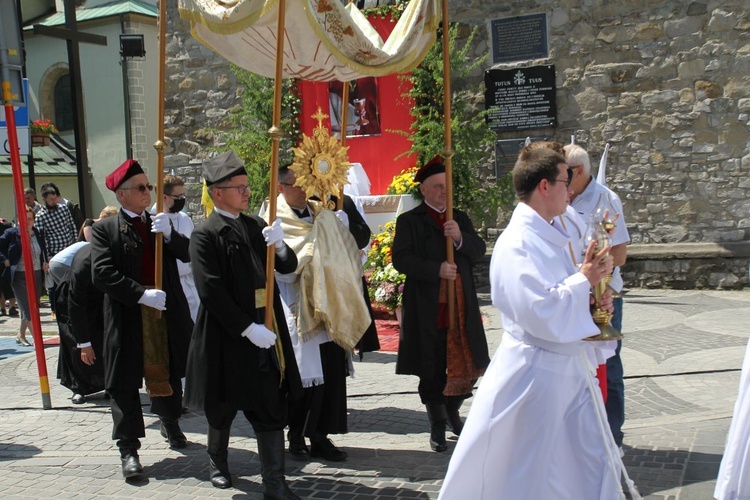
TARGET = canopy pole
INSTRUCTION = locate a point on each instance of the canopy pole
(343, 126)
(276, 133)
(160, 145)
(448, 153)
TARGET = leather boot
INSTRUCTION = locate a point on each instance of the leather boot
(437, 415)
(452, 405)
(271, 454)
(218, 468)
(170, 430)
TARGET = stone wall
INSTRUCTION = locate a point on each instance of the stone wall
(666, 83)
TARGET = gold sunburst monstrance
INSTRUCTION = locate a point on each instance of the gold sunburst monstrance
(321, 162)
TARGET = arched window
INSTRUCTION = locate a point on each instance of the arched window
(63, 104)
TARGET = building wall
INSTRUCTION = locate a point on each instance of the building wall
(667, 84)
(103, 97)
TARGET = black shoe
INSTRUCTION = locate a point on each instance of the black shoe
(131, 466)
(297, 447)
(219, 474)
(437, 440)
(171, 432)
(78, 399)
(13, 312)
(326, 450)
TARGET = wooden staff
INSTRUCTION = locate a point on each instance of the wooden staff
(343, 125)
(276, 133)
(448, 155)
(160, 145)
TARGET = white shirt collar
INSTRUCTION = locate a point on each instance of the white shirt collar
(226, 214)
(133, 215)
(435, 209)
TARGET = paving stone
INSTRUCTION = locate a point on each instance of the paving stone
(682, 354)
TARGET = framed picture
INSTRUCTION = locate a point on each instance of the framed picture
(363, 112)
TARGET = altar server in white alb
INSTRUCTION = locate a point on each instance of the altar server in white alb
(537, 428)
(733, 482)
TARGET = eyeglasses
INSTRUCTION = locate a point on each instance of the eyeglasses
(287, 184)
(141, 187)
(566, 181)
(241, 189)
(176, 197)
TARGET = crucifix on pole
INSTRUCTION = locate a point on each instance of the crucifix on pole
(73, 37)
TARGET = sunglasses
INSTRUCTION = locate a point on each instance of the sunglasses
(141, 187)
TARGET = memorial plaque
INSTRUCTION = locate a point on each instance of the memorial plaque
(520, 99)
(519, 38)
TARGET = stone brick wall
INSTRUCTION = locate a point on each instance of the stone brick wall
(666, 83)
(200, 90)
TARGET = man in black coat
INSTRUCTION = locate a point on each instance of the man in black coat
(235, 363)
(137, 343)
(426, 344)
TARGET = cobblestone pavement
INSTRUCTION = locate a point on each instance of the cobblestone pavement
(682, 356)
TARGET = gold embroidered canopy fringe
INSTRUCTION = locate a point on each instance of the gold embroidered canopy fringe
(324, 40)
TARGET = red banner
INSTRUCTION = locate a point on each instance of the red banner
(378, 109)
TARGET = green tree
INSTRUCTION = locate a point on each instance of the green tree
(250, 121)
(472, 139)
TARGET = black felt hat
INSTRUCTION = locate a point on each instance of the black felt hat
(222, 167)
(434, 166)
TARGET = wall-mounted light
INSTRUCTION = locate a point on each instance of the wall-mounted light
(132, 46)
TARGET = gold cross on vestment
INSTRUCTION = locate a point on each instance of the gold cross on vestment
(320, 116)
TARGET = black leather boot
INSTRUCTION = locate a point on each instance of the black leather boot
(437, 415)
(452, 405)
(271, 454)
(170, 430)
(218, 468)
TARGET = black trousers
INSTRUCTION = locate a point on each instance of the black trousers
(431, 385)
(322, 408)
(127, 414)
(269, 415)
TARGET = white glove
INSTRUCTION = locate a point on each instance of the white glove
(160, 224)
(274, 234)
(341, 215)
(259, 335)
(154, 298)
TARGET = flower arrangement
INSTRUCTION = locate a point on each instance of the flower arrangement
(386, 285)
(395, 9)
(42, 126)
(404, 183)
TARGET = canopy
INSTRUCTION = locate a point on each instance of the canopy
(324, 40)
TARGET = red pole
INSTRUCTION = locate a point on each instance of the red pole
(36, 325)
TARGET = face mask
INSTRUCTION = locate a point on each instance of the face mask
(178, 205)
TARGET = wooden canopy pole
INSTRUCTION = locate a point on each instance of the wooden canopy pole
(343, 125)
(160, 145)
(448, 153)
(276, 133)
